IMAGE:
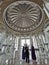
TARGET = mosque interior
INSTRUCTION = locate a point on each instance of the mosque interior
(24, 21)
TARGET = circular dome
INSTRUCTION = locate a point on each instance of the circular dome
(23, 16)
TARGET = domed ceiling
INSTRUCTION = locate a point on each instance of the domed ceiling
(23, 16)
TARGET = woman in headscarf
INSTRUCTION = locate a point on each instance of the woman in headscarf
(33, 55)
(26, 53)
(23, 53)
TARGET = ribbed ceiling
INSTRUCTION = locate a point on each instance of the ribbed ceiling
(23, 16)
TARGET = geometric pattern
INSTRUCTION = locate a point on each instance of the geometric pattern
(23, 16)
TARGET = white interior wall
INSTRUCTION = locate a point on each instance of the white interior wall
(46, 8)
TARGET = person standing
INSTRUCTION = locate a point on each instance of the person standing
(33, 55)
(26, 53)
(23, 53)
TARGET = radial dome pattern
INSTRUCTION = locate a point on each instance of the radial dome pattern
(23, 16)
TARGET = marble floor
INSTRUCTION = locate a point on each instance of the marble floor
(32, 63)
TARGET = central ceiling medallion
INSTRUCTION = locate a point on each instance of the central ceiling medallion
(23, 16)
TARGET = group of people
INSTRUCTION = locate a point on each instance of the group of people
(25, 53)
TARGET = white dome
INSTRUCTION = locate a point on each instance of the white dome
(23, 16)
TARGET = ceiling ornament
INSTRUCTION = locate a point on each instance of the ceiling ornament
(46, 23)
(23, 16)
